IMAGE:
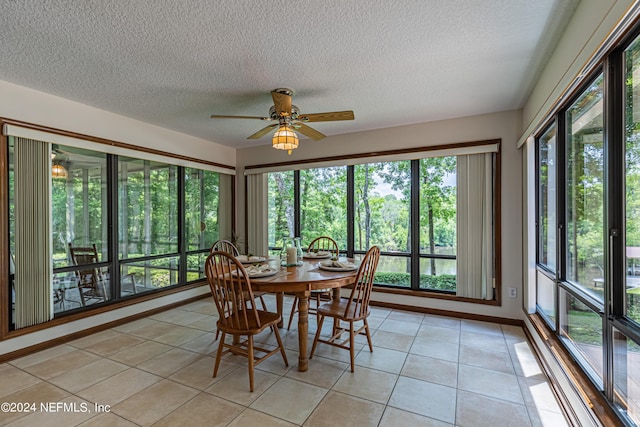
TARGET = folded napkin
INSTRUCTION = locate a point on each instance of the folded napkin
(244, 258)
(257, 269)
(339, 264)
(317, 254)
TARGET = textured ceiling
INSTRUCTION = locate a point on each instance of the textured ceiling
(174, 63)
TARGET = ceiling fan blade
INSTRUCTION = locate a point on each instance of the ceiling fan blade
(262, 132)
(309, 131)
(327, 117)
(216, 116)
(282, 102)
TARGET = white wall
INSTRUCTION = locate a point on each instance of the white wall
(505, 126)
(28, 105)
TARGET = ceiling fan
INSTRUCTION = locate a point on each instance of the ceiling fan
(289, 119)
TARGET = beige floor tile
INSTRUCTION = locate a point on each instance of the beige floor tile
(541, 418)
(489, 383)
(406, 316)
(522, 348)
(178, 335)
(207, 323)
(275, 364)
(137, 354)
(369, 384)
(202, 410)
(435, 348)
(114, 344)
(322, 372)
(392, 340)
(481, 340)
(58, 365)
(250, 417)
(119, 387)
(474, 410)
(152, 330)
(169, 362)
(290, 400)
(41, 392)
(178, 316)
(537, 393)
(41, 356)
(488, 359)
(513, 333)
(431, 369)
(337, 409)
(439, 333)
(107, 419)
(399, 327)
(381, 312)
(410, 395)
(134, 325)
(14, 380)
(383, 359)
(526, 365)
(61, 413)
(393, 417)
(488, 328)
(199, 374)
(94, 338)
(443, 321)
(87, 375)
(154, 403)
(235, 385)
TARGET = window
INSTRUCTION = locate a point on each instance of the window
(585, 191)
(438, 223)
(547, 172)
(92, 266)
(409, 208)
(323, 205)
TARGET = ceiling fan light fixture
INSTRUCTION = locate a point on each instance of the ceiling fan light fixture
(58, 171)
(285, 139)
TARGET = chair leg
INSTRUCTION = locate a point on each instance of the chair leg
(217, 334)
(251, 361)
(352, 352)
(264, 306)
(284, 355)
(366, 329)
(218, 355)
(315, 339)
(294, 308)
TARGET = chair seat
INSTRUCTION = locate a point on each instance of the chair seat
(337, 309)
(266, 319)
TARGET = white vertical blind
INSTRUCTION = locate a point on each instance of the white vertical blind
(474, 260)
(257, 204)
(33, 273)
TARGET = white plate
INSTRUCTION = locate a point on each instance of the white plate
(263, 273)
(254, 259)
(327, 266)
(313, 255)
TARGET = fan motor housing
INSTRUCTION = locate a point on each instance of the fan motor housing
(274, 116)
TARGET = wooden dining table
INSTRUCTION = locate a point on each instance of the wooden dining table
(301, 280)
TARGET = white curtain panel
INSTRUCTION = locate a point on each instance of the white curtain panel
(257, 205)
(224, 206)
(474, 262)
(33, 270)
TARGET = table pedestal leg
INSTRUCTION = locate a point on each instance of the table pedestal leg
(279, 307)
(303, 331)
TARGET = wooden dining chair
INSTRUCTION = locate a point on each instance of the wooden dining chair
(324, 244)
(231, 290)
(225, 246)
(91, 281)
(230, 248)
(350, 310)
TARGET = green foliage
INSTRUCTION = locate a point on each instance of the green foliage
(444, 282)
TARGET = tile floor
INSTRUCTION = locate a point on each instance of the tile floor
(424, 370)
